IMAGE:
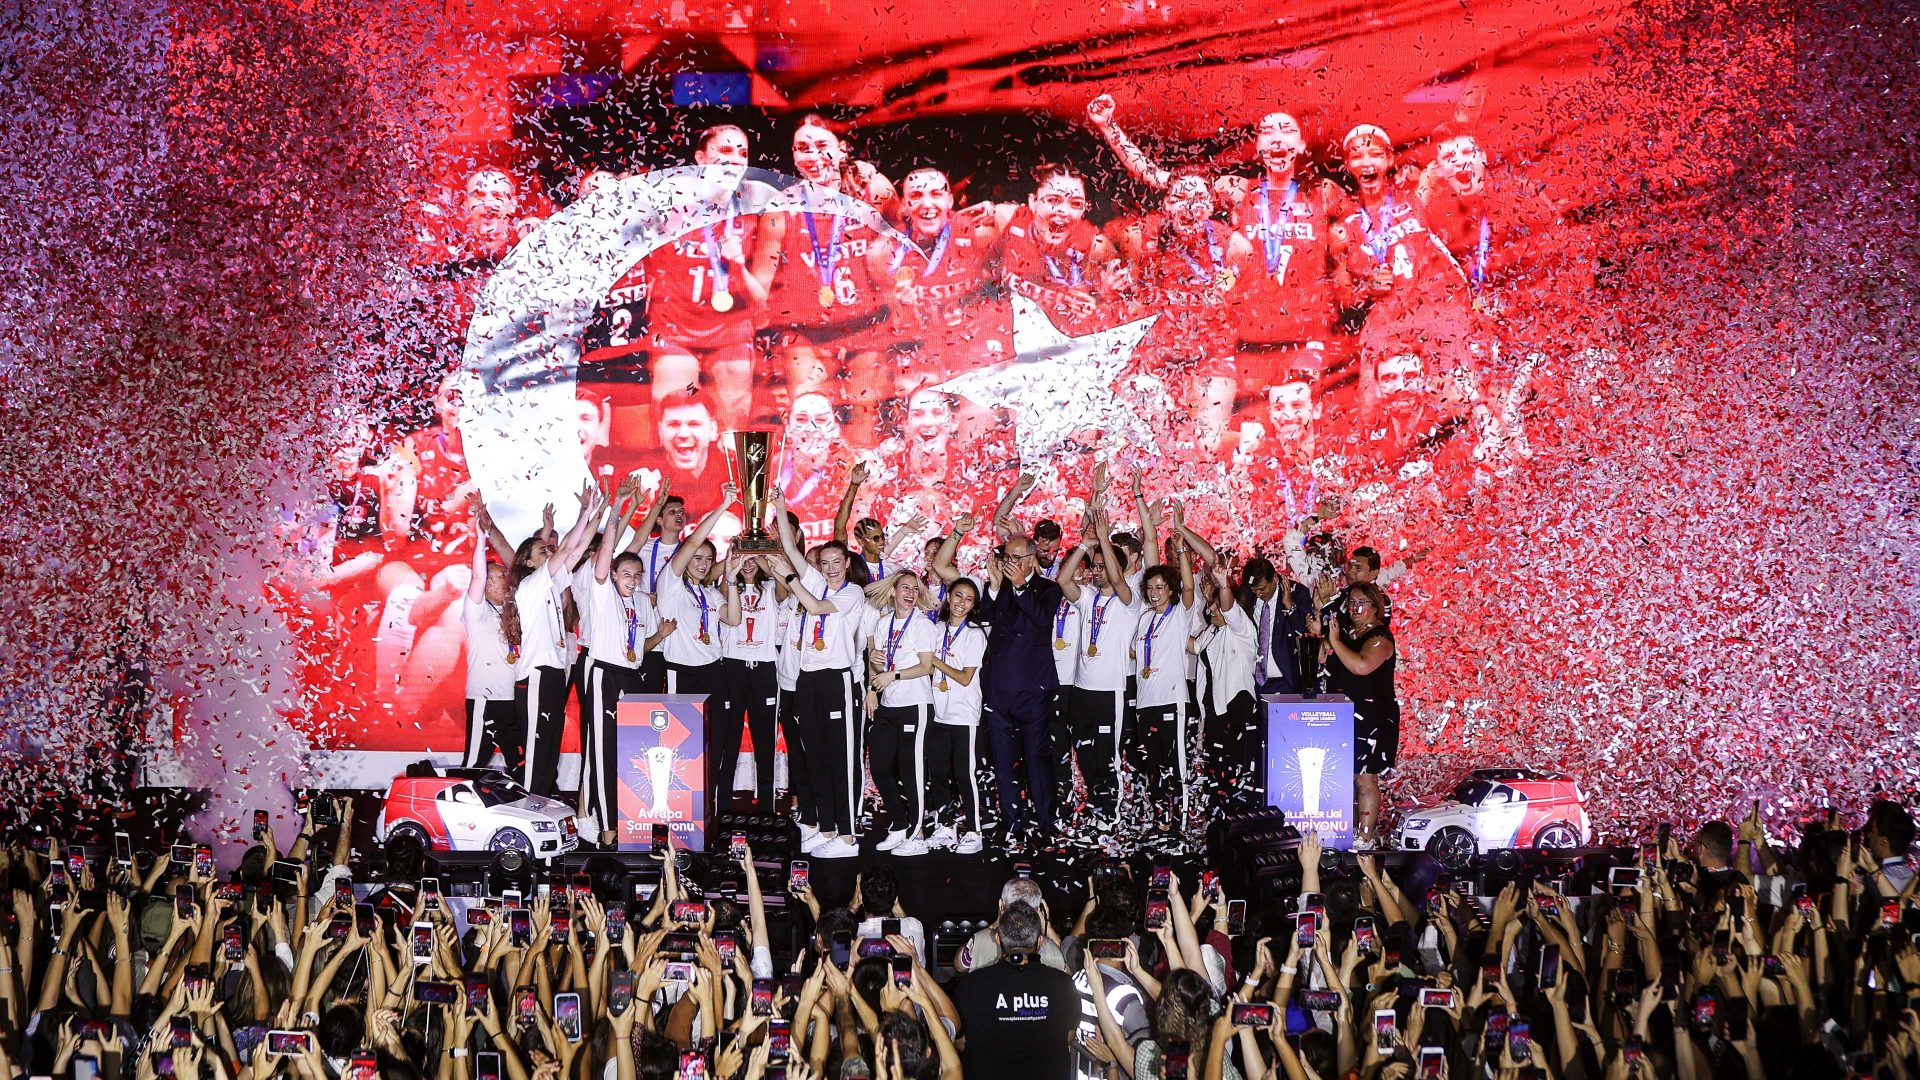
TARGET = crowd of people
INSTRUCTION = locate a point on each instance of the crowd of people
(1112, 667)
(1729, 955)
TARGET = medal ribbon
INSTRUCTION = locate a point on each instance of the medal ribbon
(823, 261)
(1060, 620)
(1377, 242)
(1480, 252)
(699, 594)
(1214, 255)
(1153, 627)
(633, 623)
(717, 264)
(820, 626)
(1275, 244)
(933, 260)
(653, 570)
(894, 636)
(1072, 276)
(1099, 616)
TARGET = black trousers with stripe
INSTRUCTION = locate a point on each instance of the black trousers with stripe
(798, 782)
(953, 775)
(1099, 719)
(898, 758)
(703, 679)
(599, 761)
(826, 707)
(748, 689)
(487, 725)
(541, 701)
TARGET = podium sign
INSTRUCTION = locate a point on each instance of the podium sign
(660, 758)
(1310, 764)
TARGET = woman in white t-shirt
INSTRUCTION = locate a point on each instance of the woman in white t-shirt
(1162, 728)
(489, 673)
(1225, 643)
(749, 686)
(697, 610)
(953, 784)
(532, 625)
(898, 637)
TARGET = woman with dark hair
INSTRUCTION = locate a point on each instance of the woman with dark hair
(749, 686)
(899, 645)
(1050, 253)
(953, 784)
(532, 624)
(1163, 728)
(697, 609)
(1225, 644)
(1360, 660)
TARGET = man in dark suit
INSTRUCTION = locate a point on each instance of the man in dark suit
(1018, 679)
(1285, 659)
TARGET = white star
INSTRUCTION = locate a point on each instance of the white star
(1060, 387)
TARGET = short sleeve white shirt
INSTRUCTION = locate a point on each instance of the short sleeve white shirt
(1064, 637)
(1106, 638)
(541, 627)
(1160, 655)
(615, 626)
(829, 642)
(489, 676)
(961, 647)
(691, 607)
(760, 621)
(900, 640)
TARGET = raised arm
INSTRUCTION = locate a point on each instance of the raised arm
(603, 557)
(809, 603)
(490, 529)
(1186, 577)
(1068, 567)
(1003, 513)
(593, 503)
(841, 516)
(1194, 540)
(942, 566)
(1149, 525)
(683, 555)
(477, 582)
(1144, 169)
(653, 517)
(1116, 570)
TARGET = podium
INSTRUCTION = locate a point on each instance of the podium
(1309, 764)
(660, 762)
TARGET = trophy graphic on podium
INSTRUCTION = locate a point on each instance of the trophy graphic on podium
(660, 779)
(752, 456)
(1313, 760)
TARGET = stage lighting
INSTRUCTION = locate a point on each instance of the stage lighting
(510, 869)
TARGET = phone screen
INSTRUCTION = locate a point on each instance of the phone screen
(123, 849)
(422, 943)
(1156, 914)
(520, 925)
(902, 970)
(1520, 1039)
(762, 1001)
(487, 1066)
(1236, 917)
(566, 1014)
(1385, 1026)
(620, 993)
(799, 874)
(841, 947)
(1549, 966)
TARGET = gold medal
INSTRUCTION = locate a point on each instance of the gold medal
(631, 657)
(1225, 281)
(1093, 650)
(903, 276)
(513, 656)
(1146, 673)
(704, 639)
(819, 645)
(943, 685)
(826, 296)
(722, 301)
(1059, 643)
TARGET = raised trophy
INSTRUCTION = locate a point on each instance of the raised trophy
(751, 458)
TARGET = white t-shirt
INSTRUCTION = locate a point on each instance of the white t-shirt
(613, 623)
(489, 676)
(655, 556)
(829, 642)
(681, 601)
(541, 628)
(760, 622)
(580, 638)
(1065, 638)
(786, 664)
(905, 638)
(1229, 650)
(1161, 641)
(962, 647)
(1137, 586)
(1109, 666)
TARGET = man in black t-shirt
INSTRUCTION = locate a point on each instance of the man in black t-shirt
(1019, 1014)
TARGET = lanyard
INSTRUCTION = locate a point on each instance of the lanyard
(1275, 243)
(880, 566)
(699, 594)
(1214, 255)
(947, 634)
(633, 623)
(823, 260)
(1060, 620)
(717, 264)
(1072, 275)
(933, 260)
(1153, 627)
(653, 570)
(1377, 242)
(1099, 616)
(894, 636)
(820, 626)
(1480, 253)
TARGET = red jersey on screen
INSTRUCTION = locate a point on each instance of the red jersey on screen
(947, 309)
(619, 327)
(1287, 295)
(682, 280)
(1427, 283)
(1187, 280)
(440, 489)
(1494, 237)
(1062, 278)
(824, 251)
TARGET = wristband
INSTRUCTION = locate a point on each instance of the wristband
(790, 578)
(1289, 969)
(457, 1052)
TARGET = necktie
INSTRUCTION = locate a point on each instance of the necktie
(1266, 633)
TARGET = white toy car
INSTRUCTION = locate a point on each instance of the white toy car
(1498, 808)
(474, 810)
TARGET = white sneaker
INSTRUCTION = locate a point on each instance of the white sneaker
(893, 840)
(943, 838)
(817, 841)
(913, 845)
(970, 844)
(1361, 843)
(807, 832)
(840, 847)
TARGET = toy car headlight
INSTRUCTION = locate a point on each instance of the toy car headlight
(1417, 823)
(545, 826)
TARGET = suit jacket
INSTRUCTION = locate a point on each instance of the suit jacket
(1020, 649)
(1287, 629)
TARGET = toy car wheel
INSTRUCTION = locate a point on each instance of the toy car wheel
(411, 830)
(1452, 847)
(1557, 835)
(510, 840)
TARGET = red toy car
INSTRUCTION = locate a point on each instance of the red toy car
(474, 810)
(1499, 808)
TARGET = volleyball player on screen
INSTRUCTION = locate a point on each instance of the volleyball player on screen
(1398, 276)
(702, 299)
(942, 282)
(1048, 252)
(823, 304)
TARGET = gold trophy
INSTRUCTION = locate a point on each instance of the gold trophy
(751, 458)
